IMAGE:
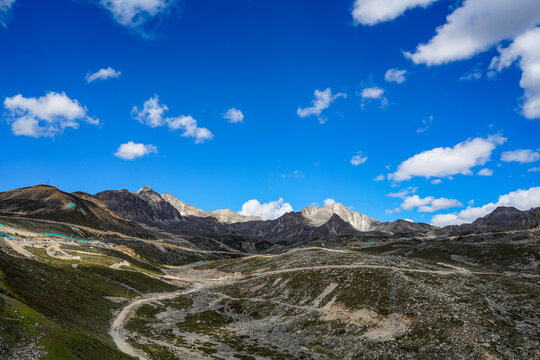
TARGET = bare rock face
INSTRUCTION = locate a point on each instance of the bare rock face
(227, 216)
(183, 208)
(317, 216)
(224, 216)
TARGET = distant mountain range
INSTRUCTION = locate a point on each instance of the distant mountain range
(147, 214)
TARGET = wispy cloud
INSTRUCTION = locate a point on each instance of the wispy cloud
(323, 100)
(359, 158)
(103, 74)
(153, 114)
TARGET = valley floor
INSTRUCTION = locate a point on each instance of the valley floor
(67, 299)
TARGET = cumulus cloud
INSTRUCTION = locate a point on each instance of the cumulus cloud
(371, 12)
(329, 202)
(525, 47)
(395, 75)
(447, 161)
(131, 150)
(521, 156)
(520, 199)
(45, 116)
(475, 27)
(103, 74)
(135, 14)
(5, 10)
(478, 25)
(234, 116)
(373, 93)
(266, 211)
(323, 100)
(153, 114)
(428, 204)
(189, 125)
(358, 159)
(485, 172)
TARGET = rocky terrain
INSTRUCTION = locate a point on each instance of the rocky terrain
(124, 275)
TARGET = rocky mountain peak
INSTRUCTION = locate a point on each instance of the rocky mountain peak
(145, 189)
(317, 216)
(502, 215)
(225, 216)
(183, 208)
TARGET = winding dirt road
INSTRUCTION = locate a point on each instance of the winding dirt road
(118, 333)
(117, 330)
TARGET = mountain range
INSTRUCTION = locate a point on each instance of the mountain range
(147, 214)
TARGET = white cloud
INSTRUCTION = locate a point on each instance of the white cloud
(380, 177)
(136, 13)
(428, 204)
(372, 93)
(358, 159)
(534, 169)
(475, 27)
(521, 156)
(478, 25)
(45, 116)
(5, 10)
(391, 211)
(329, 202)
(436, 181)
(472, 75)
(371, 12)
(131, 150)
(520, 199)
(234, 116)
(403, 193)
(395, 75)
(153, 114)
(442, 162)
(322, 101)
(189, 125)
(485, 172)
(266, 211)
(425, 124)
(526, 47)
(103, 74)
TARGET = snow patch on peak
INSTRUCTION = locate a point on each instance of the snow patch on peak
(317, 216)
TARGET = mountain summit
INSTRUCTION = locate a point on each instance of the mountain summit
(317, 216)
(224, 216)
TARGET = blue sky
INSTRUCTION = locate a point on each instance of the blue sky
(266, 59)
